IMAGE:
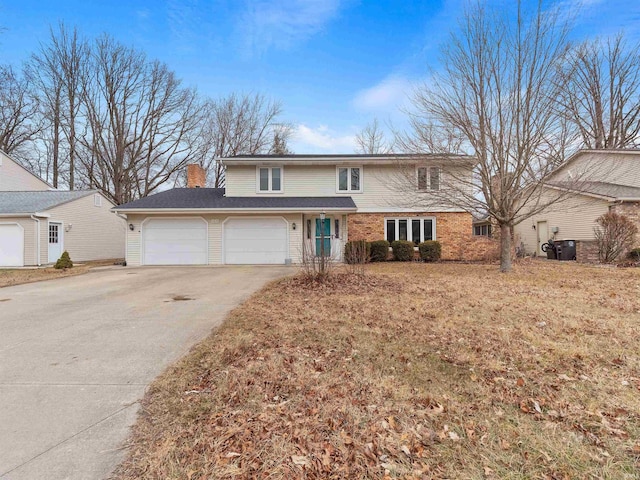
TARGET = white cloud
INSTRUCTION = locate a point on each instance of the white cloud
(283, 23)
(321, 140)
(390, 94)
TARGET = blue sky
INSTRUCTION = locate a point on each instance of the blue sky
(335, 64)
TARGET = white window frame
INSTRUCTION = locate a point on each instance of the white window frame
(349, 168)
(428, 168)
(270, 189)
(409, 227)
(97, 200)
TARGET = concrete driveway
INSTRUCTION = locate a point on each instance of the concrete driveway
(76, 355)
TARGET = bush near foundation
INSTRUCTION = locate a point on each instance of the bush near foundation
(402, 250)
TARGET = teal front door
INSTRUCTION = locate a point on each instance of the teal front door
(327, 237)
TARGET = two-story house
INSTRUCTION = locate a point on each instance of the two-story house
(39, 222)
(276, 209)
(589, 184)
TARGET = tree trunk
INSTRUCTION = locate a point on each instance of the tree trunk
(505, 248)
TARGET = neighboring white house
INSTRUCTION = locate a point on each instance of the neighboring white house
(38, 223)
(272, 207)
(598, 181)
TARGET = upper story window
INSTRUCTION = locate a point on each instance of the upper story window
(269, 179)
(349, 179)
(428, 178)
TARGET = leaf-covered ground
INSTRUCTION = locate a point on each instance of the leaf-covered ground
(414, 371)
(18, 276)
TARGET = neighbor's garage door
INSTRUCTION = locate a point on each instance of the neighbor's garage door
(11, 245)
(174, 241)
(255, 241)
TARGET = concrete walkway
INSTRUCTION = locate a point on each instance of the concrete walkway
(76, 355)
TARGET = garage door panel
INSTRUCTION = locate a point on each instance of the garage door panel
(255, 241)
(175, 242)
(11, 246)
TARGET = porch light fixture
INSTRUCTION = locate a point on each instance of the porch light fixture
(131, 227)
(294, 225)
(322, 215)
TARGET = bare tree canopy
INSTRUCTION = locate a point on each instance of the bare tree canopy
(372, 140)
(238, 125)
(18, 108)
(497, 97)
(602, 92)
(58, 70)
(139, 120)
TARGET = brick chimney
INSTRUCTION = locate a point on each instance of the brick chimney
(196, 176)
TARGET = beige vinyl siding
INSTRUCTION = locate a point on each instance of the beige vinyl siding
(574, 216)
(29, 227)
(89, 232)
(215, 223)
(617, 168)
(384, 187)
(14, 177)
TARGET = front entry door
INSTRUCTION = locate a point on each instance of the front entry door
(55, 241)
(327, 237)
(543, 237)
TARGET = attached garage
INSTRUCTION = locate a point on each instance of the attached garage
(11, 245)
(255, 241)
(174, 241)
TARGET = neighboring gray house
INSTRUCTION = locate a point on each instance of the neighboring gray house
(38, 223)
(598, 181)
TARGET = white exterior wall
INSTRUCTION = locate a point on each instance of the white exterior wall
(384, 187)
(14, 177)
(96, 233)
(575, 217)
(617, 168)
(215, 225)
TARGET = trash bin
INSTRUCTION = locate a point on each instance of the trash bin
(567, 250)
(550, 249)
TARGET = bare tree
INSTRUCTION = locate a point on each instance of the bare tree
(497, 99)
(58, 70)
(18, 109)
(281, 134)
(372, 140)
(139, 122)
(602, 92)
(238, 125)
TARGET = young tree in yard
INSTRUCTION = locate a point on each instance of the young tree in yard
(372, 140)
(496, 99)
(18, 113)
(614, 234)
(140, 121)
(602, 93)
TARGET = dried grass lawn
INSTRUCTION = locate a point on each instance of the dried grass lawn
(417, 371)
(18, 276)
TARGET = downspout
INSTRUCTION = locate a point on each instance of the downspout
(33, 217)
(126, 236)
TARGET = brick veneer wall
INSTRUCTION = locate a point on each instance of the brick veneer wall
(587, 251)
(453, 231)
(631, 210)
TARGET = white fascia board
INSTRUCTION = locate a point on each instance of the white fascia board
(232, 210)
(25, 214)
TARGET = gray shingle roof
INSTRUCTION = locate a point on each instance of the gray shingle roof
(213, 198)
(40, 201)
(603, 189)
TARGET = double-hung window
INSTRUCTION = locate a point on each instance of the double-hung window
(428, 178)
(413, 229)
(269, 179)
(349, 179)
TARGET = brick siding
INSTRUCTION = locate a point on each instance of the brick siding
(587, 251)
(453, 231)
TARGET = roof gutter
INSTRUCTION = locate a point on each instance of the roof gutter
(236, 210)
(25, 214)
(37, 220)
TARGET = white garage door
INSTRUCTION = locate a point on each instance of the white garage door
(255, 241)
(175, 241)
(11, 245)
